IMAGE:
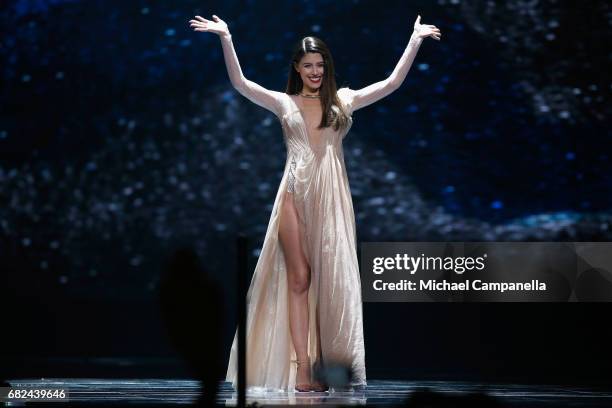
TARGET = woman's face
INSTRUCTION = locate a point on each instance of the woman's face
(311, 68)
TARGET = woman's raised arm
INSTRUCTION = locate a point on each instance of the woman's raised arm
(363, 97)
(271, 100)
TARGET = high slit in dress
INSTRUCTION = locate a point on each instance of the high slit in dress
(315, 175)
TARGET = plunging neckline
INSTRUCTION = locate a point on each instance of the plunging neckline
(303, 119)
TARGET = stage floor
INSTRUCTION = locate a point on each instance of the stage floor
(122, 392)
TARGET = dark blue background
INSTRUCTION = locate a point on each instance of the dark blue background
(121, 138)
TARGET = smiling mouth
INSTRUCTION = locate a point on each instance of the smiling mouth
(315, 79)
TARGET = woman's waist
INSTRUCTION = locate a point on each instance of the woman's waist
(315, 155)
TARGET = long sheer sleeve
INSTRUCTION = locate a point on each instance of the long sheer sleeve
(271, 100)
(357, 99)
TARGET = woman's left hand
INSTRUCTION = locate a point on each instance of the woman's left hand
(426, 30)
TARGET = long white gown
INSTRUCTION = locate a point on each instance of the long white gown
(325, 209)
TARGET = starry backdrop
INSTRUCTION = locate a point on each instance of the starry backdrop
(121, 136)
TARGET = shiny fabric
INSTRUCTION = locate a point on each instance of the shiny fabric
(322, 196)
(291, 180)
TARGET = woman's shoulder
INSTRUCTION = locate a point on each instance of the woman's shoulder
(345, 94)
(287, 104)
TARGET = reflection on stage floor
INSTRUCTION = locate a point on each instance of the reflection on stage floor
(121, 392)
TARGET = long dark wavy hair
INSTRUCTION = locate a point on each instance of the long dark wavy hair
(333, 111)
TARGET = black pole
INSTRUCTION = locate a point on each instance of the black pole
(242, 312)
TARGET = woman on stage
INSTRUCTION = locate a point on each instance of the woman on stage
(304, 301)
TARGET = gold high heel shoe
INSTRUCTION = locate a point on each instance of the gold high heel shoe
(301, 387)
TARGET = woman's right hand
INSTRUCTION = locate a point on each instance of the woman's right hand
(216, 26)
(426, 30)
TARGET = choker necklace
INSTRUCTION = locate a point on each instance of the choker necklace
(309, 96)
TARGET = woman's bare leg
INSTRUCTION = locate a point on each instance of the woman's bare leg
(298, 280)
